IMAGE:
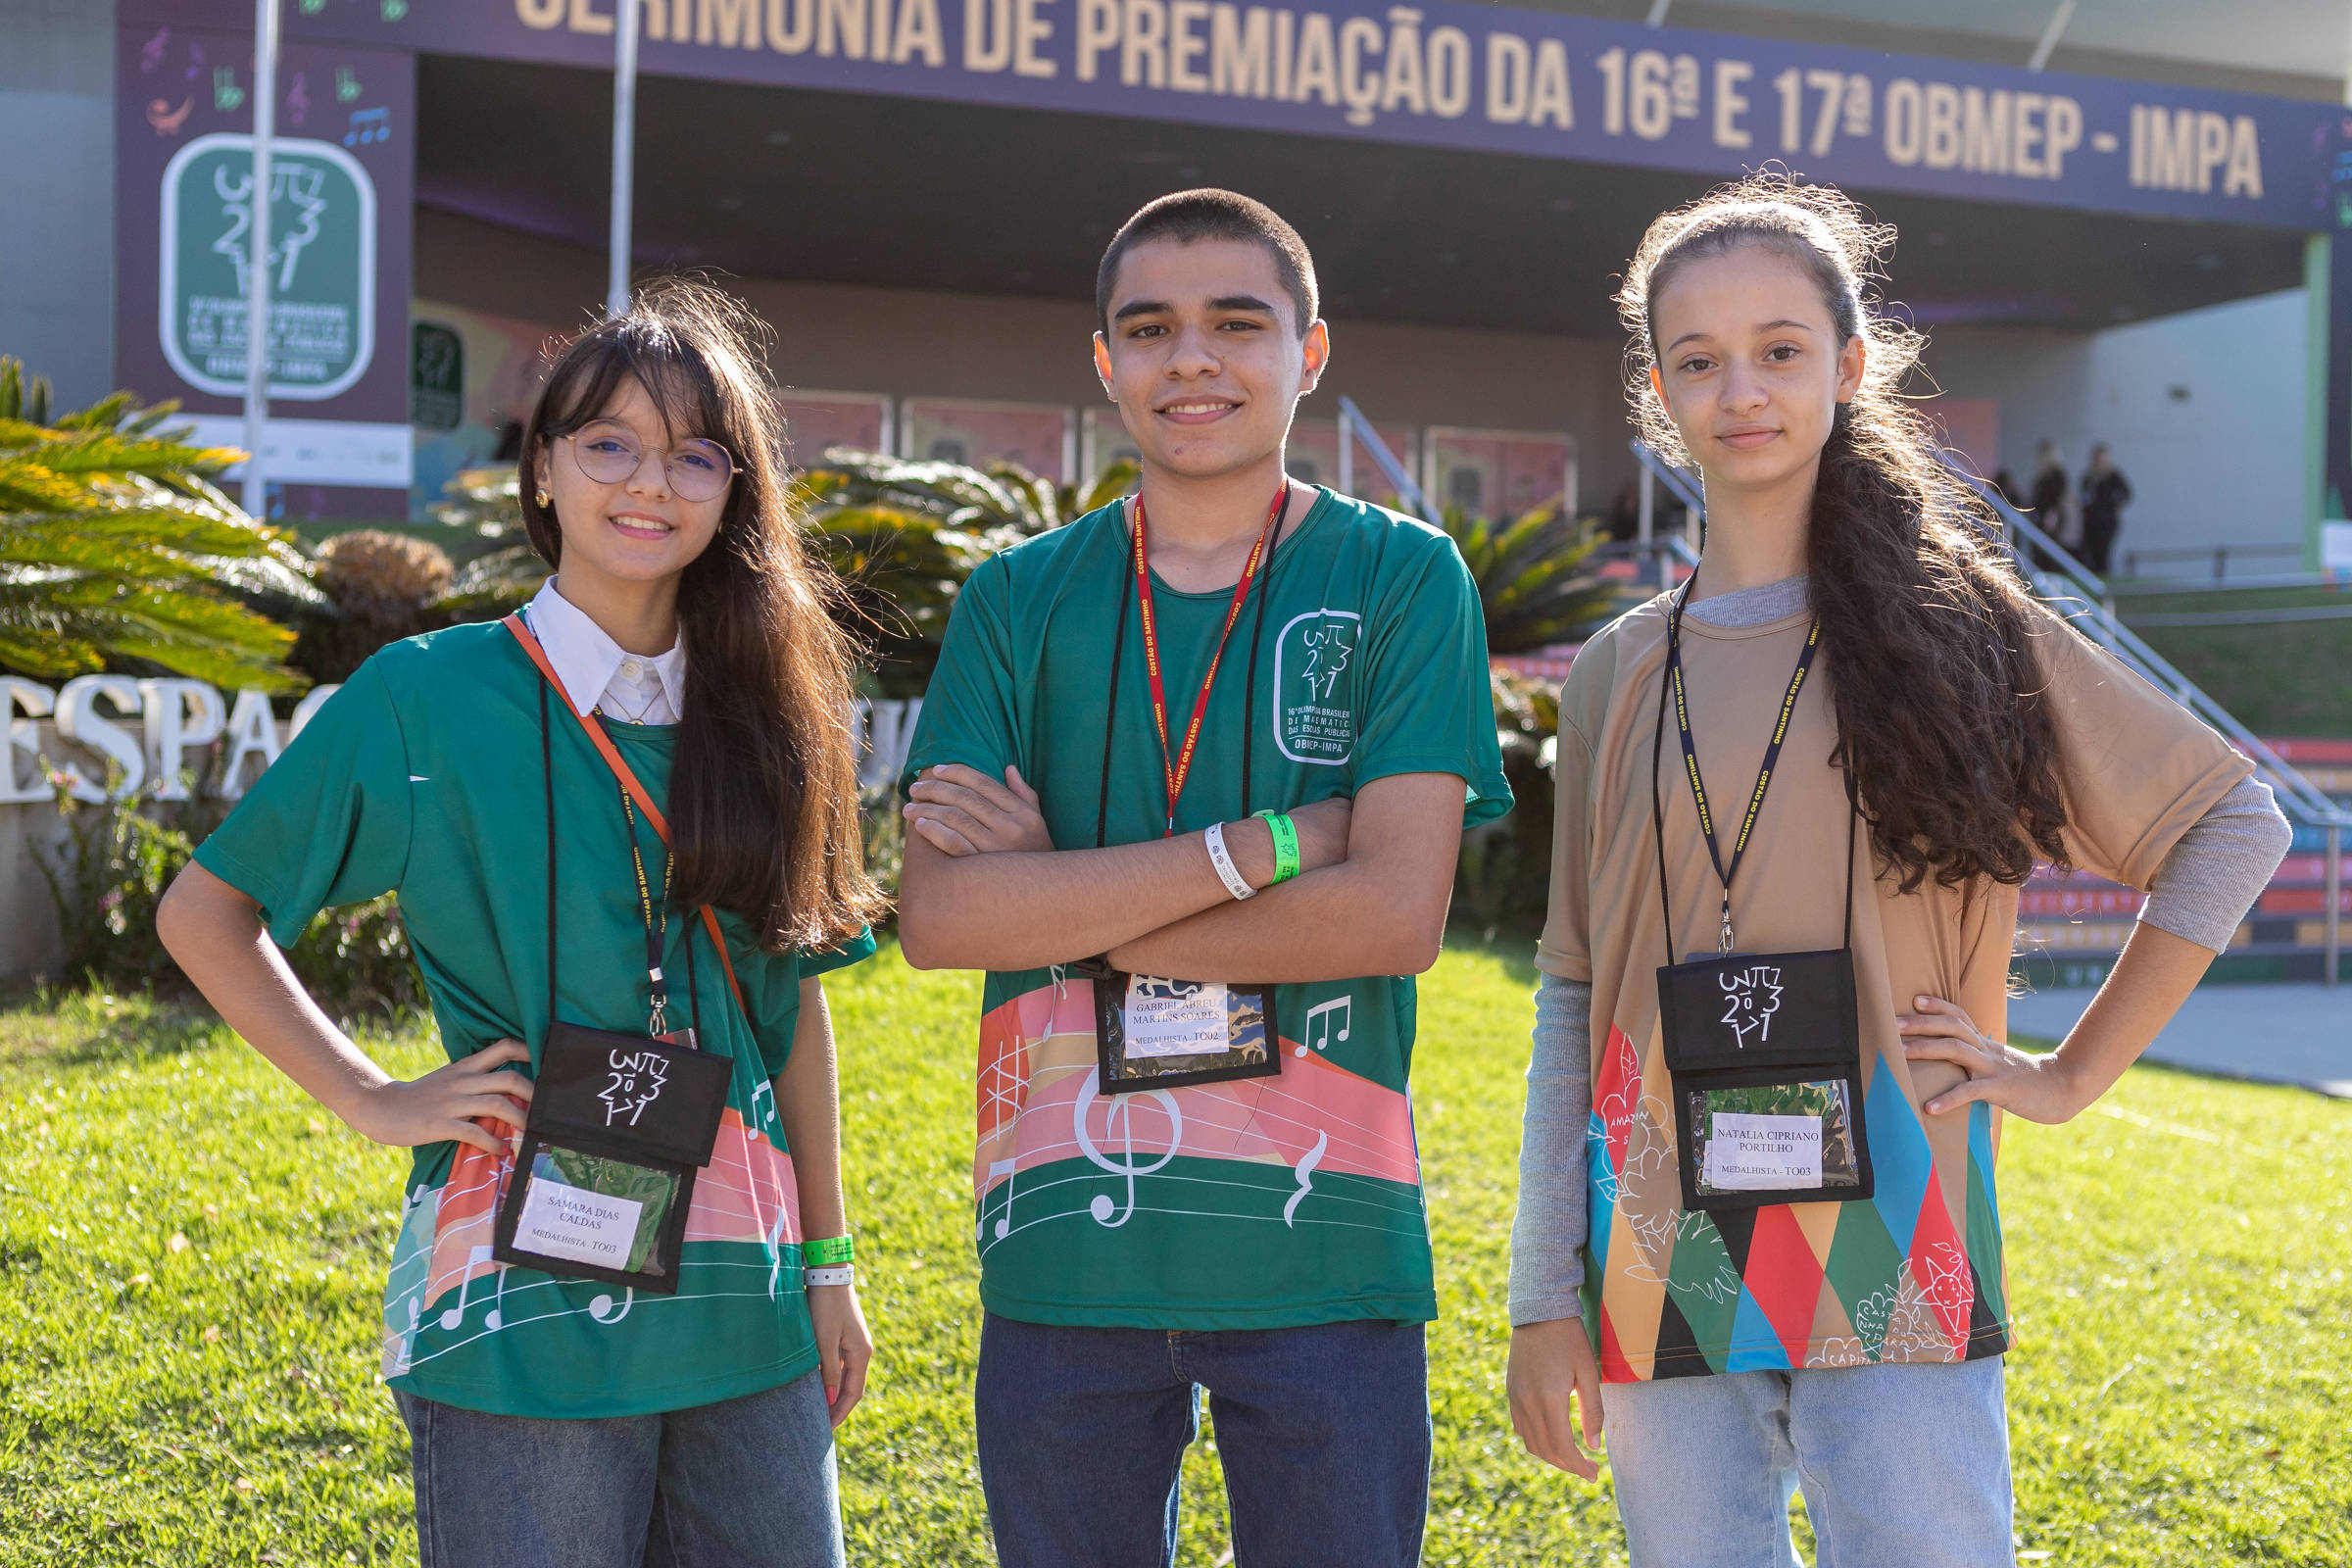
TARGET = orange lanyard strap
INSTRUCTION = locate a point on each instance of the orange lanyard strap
(1176, 764)
(627, 777)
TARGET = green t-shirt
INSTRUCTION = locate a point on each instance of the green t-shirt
(422, 777)
(1260, 1202)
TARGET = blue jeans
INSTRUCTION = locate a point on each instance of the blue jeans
(743, 1481)
(1323, 1432)
(1901, 1463)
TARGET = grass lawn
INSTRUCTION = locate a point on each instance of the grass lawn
(191, 1254)
(2279, 679)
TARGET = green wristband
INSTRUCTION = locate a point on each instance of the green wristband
(828, 1252)
(1285, 846)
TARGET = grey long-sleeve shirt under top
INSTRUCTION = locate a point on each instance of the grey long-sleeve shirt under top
(2200, 893)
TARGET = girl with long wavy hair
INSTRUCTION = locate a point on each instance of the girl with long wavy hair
(1757, 1235)
(622, 827)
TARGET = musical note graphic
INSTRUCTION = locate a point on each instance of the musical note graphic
(1122, 1111)
(165, 119)
(152, 55)
(195, 62)
(476, 1258)
(367, 125)
(1321, 1013)
(347, 84)
(753, 1123)
(601, 1309)
(226, 94)
(1304, 1171)
(1010, 1170)
(298, 100)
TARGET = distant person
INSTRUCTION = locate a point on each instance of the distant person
(2049, 499)
(2105, 491)
(1625, 513)
(1757, 1236)
(2005, 485)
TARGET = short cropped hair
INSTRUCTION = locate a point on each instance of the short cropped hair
(1210, 214)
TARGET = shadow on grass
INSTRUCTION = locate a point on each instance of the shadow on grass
(94, 1027)
(1514, 949)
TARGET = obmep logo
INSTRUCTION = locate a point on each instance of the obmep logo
(637, 1078)
(1749, 999)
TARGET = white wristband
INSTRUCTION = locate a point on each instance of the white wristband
(837, 1274)
(1222, 859)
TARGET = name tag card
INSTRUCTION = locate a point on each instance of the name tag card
(1155, 1033)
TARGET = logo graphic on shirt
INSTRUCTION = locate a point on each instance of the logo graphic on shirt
(1314, 708)
(637, 1077)
(1749, 999)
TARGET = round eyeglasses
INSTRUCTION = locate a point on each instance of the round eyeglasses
(609, 453)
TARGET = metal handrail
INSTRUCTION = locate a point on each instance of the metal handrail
(1353, 422)
(2083, 596)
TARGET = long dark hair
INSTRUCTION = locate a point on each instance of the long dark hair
(763, 790)
(1938, 692)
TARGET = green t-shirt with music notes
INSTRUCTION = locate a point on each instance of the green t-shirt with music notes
(422, 777)
(1254, 1202)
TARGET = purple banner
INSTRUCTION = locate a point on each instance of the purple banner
(340, 227)
(1453, 75)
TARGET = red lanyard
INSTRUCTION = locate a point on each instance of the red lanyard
(1176, 763)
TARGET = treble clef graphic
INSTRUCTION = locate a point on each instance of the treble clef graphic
(1122, 1109)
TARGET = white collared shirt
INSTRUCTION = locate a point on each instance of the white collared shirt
(597, 672)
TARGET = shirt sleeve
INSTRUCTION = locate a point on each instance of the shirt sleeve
(2137, 768)
(1565, 948)
(1550, 1229)
(2209, 882)
(1427, 704)
(329, 822)
(968, 714)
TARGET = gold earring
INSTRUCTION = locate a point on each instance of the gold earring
(542, 497)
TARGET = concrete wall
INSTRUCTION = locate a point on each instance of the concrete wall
(56, 192)
(2204, 411)
(915, 343)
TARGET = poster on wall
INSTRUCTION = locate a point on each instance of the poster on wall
(1041, 437)
(338, 443)
(1313, 457)
(472, 380)
(1499, 473)
(816, 421)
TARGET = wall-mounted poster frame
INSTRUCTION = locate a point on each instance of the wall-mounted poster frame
(1042, 437)
(1313, 456)
(815, 421)
(1490, 473)
(1102, 439)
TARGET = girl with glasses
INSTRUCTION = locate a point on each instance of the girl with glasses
(621, 1320)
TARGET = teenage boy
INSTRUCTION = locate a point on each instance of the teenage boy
(1196, 1162)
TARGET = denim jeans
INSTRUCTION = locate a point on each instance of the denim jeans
(1901, 1463)
(743, 1481)
(1323, 1433)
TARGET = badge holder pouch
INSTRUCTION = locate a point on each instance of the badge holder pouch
(1764, 1053)
(1151, 1033)
(618, 1125)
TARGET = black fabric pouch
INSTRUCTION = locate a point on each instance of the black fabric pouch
(1151, 1033)
(618, 1125)
(1765, 1052)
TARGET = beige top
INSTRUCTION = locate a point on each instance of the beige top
(1913, 1274)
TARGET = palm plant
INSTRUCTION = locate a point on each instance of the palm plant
(903, 536)
(116, 543)
(1531, 574)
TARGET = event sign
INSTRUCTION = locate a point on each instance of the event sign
(340, 202)
(1481, 78)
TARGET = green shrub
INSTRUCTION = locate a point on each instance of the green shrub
(121, 855)
(1504, 874)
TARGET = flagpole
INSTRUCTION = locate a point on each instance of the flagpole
(256, 270)
(625, 152)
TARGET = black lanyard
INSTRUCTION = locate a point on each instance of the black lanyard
(1257, 631)
(1672, 681)
(657, 928)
